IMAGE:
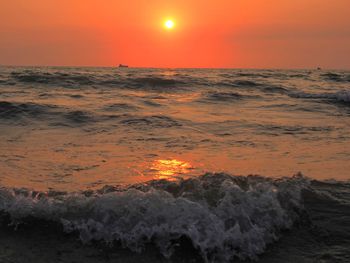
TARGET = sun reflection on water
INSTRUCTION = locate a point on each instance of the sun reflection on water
(168, 169)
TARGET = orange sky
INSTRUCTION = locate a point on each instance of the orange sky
(208, 33)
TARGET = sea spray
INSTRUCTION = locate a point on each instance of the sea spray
(224, 216)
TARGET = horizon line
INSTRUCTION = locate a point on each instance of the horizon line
(161, 67)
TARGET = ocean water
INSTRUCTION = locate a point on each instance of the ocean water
(228, 159)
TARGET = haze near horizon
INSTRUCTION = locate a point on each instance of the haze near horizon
(237, 34)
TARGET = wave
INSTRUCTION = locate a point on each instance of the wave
(155, 81)
(336, 77)
(11, 110)
(238, 83)
(279, 130)
(252, 85)
(120, 107)
(59, 78)
(245, 74)
(22, 111)
(218, 217)
(273, 89)
(155, 121)
(222, 97)
(76, 96)
(245, 83)
(343, 96)
(73, 79)
(340, 96)
(225, 217)
(79, 117)
(67, 117)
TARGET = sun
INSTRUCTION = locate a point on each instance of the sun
(169, 24)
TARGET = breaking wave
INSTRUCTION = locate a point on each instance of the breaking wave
(224, 217)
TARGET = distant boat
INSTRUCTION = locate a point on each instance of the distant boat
(123, 66)
(319, 68)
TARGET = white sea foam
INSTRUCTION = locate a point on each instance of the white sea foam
(223, 216)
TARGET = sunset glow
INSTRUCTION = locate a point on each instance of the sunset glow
(166, 169)
(169, 24)
(174, 131)
(225, 33)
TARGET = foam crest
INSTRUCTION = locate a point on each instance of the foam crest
(225, 217)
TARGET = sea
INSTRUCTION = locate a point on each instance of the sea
(174, 165)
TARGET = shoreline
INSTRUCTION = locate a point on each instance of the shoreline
(321, 235)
